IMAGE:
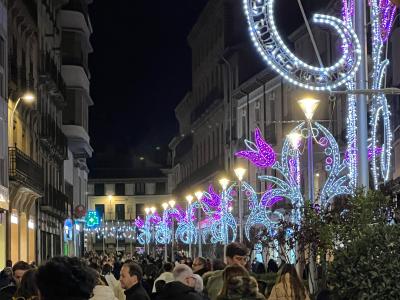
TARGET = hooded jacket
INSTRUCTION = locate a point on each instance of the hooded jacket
(103, 292)
(243, 288)
(176, 290)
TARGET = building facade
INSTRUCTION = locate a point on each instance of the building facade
(4, 195)
(75, 47)
(123, 199)
(47, 107)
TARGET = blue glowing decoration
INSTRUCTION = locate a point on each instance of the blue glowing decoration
(261, 213)
(163, 230)
(187, 231)
(382, 15)
(92, 219)
(145, 228)
(224, 227)
(268, 42)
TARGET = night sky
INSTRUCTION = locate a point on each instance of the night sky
(141, 69)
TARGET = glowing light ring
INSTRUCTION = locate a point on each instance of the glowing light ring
(382, 20)
(265, 36)
(187, 231)
(260, 215)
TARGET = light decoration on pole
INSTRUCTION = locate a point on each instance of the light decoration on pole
(268, 42)
(223, 227)
(163, 229)
(382, 13)
(152, 218)
(92, 219)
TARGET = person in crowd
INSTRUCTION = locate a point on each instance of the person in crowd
(182, 288)
(238, 284)
(106, 271)
(324, 295)
(199, 286)
(272, 266)
(199, 266)
(166, 276)
(18, 270)
(288, 285)
(6, 276)
(236, 254)
(102, 291)
(130, 278)
(65, 278)
(28, 289)
(159, 286)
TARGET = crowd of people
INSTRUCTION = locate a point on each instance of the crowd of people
(141, 277)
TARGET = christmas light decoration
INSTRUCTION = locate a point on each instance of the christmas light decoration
(92, 219)
(268, 42)
(382, 14)
(187, 231)
(261, 154)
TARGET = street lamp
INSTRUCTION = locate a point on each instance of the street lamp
(309, 106)
(147, 242)
(27, 98)
(189, 199)
(172, 204)
(199, 196)
(165, 207)
(224, 184)
(239, 172)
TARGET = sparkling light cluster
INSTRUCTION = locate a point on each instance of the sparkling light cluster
(268, 42)
(382, 14)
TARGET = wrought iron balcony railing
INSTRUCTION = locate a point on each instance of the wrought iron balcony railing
(24, 170)
(55, 202)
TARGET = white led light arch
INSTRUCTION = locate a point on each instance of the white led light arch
(268, 42)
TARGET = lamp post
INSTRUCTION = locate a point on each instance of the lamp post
(172, 204)
(147, 249)
(153, 211)
(27, 98)
(224, 210)
(189, 199)
(165, 220)
(199, 195)
(239, 172)
(309, 106)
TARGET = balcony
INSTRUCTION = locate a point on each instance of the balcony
(24, 170)
(184, 147)
(53, 138)
(55, 203)
(51, 75)
(70, 19)
(213, 98)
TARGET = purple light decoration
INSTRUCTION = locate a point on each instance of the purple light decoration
(348, 10)
(260, 153)
(214, 200)
(329, 160)
(323, 142)
(387, 13)
(378, 152)
(139, 223)
(268, 201)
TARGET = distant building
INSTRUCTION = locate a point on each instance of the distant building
(120, 196)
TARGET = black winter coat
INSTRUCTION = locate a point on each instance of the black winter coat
(137, 292)
(178, 291)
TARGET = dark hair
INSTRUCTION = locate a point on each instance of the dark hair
(168, 267)
(28, 287)
(202, 260)
(272, 266)
(9, 263)
(159, 285)
(62, 278)
(21, 265)
(134, 269)
(295, 283)
(236, 249)
(229, 273)
(107, 269)
(218, 265)
(95, 266)
(324, 295)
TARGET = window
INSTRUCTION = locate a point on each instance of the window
(140, 210)
(99, 189)
(99, 208)
(120, 189)
(257, 113)
(160, 188)
(120, 211)
(140, 188)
